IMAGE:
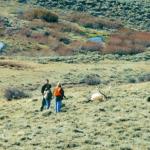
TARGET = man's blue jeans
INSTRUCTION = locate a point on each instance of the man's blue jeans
(45, 103)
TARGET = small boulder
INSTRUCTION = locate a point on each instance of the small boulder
(46, 114)
(2, 46)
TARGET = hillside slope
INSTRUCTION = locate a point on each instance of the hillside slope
(120, 123)
(134, 12)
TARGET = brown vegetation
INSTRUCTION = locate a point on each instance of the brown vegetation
(127, 42)
(93, 22)
(39, 13)
(91, 46)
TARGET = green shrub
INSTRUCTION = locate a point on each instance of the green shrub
(91, 79)
(132, 80)
(148, 99)
(64, 40)
(139, 78)
(144, 77)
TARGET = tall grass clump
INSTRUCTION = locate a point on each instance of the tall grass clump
(91, 79)
(39, 13)
(14, 93)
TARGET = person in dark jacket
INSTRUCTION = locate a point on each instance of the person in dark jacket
(47, 95)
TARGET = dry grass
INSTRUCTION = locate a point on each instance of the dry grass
(113, 124)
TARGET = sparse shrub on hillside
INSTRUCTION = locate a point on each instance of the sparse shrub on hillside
(123, 50)
(63, 50)
(26, 32)
(69, 27)
(132, 80)
(14, 93)
(64, 40)
(91, 79)
(40, 38)
(40, 13)
(139, 78)
(2, 27)
(46, 33)
(144, 77)
(5, 22)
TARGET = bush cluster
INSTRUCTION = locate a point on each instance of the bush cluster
(39, 13)
(144, 77)
(91, 79)
(14, 93)
(140, 78)
(127, 42)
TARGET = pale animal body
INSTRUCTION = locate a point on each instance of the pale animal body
(97, 97)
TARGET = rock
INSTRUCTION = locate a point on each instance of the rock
(35, 99)
(98, 39)
(2, 47)
(78, 130)
(46, 114)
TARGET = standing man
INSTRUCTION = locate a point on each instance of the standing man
(47, 95)
(59, 95)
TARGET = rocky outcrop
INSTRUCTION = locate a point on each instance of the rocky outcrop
(131, 12)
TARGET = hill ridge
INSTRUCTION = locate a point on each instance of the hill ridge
(134, 13)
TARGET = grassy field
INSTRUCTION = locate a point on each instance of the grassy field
(36, 49)
(120, 123)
